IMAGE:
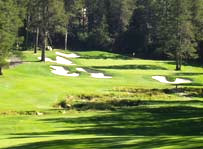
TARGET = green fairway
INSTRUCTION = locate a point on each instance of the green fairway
(131, 110)
(144, 127)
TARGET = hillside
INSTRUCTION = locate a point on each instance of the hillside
(39, 109)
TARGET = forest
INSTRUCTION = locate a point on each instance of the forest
(157, 29)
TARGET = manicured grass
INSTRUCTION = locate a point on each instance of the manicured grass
(143, 127)
(32, 86)
(161, 120)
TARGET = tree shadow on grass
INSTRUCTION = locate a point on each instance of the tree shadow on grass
(186, 74)
(16, 63)
(191, 84)
(126, 125)
(189, 74)
(106, 56)
(111, 143)
(194, 64)
(182, 104)
(32, 61)
(143, 67)
(170, 121)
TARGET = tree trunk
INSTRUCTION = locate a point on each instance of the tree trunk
(36, 40)
(66, 40)
(177, 67)
(179, 53)
(83, 19)
(180, 65)
(177, 61)
(27, 32)
(26, 39)
(1, 73)
(44, 47)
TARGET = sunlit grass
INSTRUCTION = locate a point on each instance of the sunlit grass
(161, 120)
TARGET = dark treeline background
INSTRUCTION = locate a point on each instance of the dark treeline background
(162, 29)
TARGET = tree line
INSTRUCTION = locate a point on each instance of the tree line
(171, 29)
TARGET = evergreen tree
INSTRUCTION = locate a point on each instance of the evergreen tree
(33, 22)
(140, 27)
(118, 14)
(181, 32)
(50, 17)
(74, 9)
(99, 38)
(160, 28)
(10, 21)
(197, 21)
(97, 31)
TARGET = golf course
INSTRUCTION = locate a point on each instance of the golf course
(101, 74)
(42, 110)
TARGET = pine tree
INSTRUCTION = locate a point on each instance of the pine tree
(183, 38)
(50, 17)
(74, 9)
(197, 21)
(141, 25)
(175, 30)
(10, 21)
(33, 21)
(118, 15)
(99, 38)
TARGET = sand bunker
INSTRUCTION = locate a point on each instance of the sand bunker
(81, 69)
(58, 70)
(100, 76)
(59, 60)
(163, 79)
(47, 60)
(72, 55)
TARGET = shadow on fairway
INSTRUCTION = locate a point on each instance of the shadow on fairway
(136, 127)
(191, 84)
(34, 61)
(193, 64)
(19, 62)
(112, 143)
(144, 67)
(188, 74)
(106, 56)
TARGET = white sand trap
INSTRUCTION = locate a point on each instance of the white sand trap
(81, 69)
(59, 60)
(100, 76)
(58, 70)
(72, 55)
(163, 79)
(47, 60)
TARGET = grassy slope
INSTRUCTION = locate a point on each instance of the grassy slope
(31, 86)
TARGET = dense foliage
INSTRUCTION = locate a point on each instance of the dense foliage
(10, 21)
(142, 28)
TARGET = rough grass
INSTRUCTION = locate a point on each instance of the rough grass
(131, 110)
(126, 98)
